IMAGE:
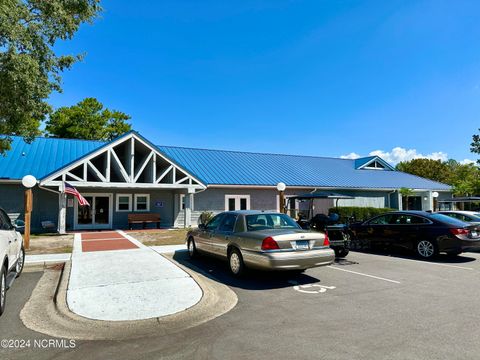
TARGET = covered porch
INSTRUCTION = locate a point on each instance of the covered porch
(126, 176)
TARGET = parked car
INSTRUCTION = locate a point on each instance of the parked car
(260, 240)
(425, 233)
(12, 255)
(466, 216)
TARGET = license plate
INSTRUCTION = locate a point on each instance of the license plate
(302, 245)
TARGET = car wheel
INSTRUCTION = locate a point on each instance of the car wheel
(426, 249)
(192, 248)
(3, 289)
(341, 252)
(20, 262)
(235, 261)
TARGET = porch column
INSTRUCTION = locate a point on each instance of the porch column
(188, 207)
(62, 213)
(400, 200)
(430, 201)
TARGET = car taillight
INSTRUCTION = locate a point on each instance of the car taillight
(326, 241)
(459, 231)
(269, 244)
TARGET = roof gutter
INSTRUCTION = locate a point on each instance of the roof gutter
(274, 187)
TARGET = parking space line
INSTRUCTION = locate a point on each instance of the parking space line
(418, 261)
(362, 274)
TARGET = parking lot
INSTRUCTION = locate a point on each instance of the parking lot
(368, 306)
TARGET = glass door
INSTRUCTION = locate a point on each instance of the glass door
(85, 215)
(102, 210)
(96, 216)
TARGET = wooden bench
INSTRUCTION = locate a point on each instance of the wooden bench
(139, 218)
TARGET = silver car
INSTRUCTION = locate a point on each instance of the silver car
(260, 240)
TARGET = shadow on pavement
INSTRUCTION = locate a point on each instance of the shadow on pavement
(405, 254)
(217, 270)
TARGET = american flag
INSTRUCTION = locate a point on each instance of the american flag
(69, 189)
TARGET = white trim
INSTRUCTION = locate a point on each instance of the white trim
(192, 205)
(119, 164)
(129, 178)
(74, 176)
(135, 202)
(81, 184)
(274, 187)
(378, 159)
(165, 173)
(77, 226)
(237, 201)
(145, 163)
(96, 171)
(117, 202)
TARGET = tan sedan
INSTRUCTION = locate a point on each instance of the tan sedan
(260, 240)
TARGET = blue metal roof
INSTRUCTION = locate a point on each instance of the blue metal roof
(42, 156)
(243, 168)
(217, 167)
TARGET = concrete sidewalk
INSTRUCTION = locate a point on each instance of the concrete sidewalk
(131, 283)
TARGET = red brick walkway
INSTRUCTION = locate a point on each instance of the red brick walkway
(105, 241)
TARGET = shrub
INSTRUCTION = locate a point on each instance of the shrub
(358, 212)
(205, 217)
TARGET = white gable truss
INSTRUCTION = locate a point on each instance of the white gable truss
(377, 163)
(128, 162)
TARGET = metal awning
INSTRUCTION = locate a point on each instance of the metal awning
(321, 195)
(461, 199)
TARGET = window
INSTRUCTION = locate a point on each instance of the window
(213, 224)
(231, 204)
(142, 202)
(270, 221)
(237, 202)
(383, 220)
(124, 202)
(228, 223)
(375, 165)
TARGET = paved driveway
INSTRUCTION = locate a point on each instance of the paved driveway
(366, 307)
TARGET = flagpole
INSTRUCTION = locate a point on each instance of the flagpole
(62, 209)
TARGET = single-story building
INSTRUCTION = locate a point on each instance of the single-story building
(130, 174)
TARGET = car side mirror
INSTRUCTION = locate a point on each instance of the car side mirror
(19, 225)
(202, 226)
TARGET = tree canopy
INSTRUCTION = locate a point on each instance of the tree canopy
(29, 67)
(427, 168)
(464, 178)
(475, 145)
(87, 120)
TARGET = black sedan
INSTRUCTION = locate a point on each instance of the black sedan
(425, 233)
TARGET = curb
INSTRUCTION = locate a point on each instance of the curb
(54, 318)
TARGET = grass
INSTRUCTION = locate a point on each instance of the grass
(160, 237)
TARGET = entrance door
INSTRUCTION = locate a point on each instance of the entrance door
(96, 216)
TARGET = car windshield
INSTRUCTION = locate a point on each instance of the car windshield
(270, 221)
(447, 219)
(475, 217)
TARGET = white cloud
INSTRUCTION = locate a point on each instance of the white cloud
(352, 155)
(399, 154)
(467, 161)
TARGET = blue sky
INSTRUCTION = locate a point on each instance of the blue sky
(325, 78)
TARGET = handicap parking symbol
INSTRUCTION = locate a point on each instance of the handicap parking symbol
(312, 288)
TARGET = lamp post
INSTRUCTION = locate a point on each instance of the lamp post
(281, 189)
(28, 181)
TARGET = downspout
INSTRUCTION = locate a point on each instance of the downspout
(389, 202)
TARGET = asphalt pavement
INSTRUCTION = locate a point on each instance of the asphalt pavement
(368, 306)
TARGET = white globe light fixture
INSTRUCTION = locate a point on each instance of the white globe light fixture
(29, 181)
(435, 194)
(281, 186)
